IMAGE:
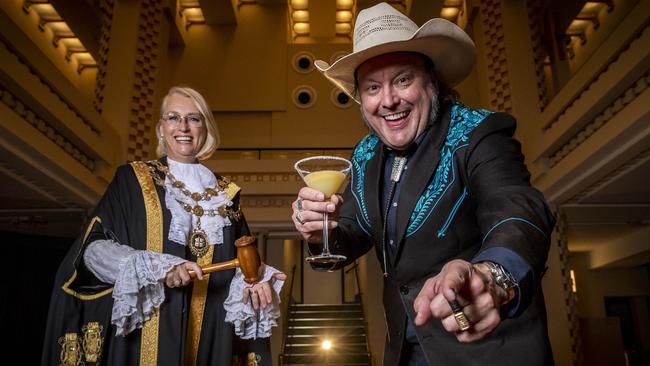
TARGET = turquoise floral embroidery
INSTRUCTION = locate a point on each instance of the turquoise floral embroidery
(463, 121)
(364, 151)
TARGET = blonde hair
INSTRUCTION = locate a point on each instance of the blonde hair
(212, 140)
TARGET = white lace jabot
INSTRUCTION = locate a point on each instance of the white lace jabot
(196, 178)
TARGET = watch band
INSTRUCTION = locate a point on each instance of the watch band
(502, 278)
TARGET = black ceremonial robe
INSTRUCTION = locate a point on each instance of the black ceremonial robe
(189, 327)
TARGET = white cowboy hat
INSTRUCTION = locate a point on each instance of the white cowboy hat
(382, 29)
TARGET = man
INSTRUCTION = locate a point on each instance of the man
(442, 193)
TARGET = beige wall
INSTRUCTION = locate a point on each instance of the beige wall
(593, 285)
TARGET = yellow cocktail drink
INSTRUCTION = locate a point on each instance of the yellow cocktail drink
(324, 174)
(326, 181)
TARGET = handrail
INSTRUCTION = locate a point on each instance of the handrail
(360, 300)
(285, 321)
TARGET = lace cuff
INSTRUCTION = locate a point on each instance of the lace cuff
(104, 258)
(139, 290)
(249, 323)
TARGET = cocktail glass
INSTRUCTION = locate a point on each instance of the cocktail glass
(325, 174)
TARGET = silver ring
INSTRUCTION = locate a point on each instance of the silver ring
(177, 283)
(299, 219)
(299, 204)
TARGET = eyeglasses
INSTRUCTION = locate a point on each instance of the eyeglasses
(175, 118)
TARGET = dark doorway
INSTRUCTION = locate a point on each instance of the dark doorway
(634, 316)
(30, 264)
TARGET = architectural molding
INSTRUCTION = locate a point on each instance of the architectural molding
(603, 118)
(106, 18)
(496, 56)
(33, 185)
(24, 63)
(560, 240)
(267, 201)
(263, 177)
(142, 109)
(29, 116)
(571, 94)
(621, 171)
(535, 22)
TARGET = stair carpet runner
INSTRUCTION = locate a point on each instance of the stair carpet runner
(311, 324)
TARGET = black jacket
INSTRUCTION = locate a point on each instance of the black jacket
(467, 190)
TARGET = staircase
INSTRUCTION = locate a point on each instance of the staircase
(309, 325)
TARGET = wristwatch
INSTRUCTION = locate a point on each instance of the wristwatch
(503, 279)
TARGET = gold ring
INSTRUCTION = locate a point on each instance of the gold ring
(461, 318)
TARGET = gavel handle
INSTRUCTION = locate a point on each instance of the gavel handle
(216, 267)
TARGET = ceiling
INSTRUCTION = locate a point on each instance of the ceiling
(611, 219)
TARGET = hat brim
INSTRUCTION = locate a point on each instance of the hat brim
(448, 46)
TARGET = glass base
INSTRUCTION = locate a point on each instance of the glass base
(325, 261)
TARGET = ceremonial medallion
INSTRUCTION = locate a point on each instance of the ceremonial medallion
(198, 242)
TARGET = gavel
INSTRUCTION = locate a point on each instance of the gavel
(247, 259)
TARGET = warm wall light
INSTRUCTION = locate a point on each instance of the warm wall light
(28, 4)
(573, 282)
(326, 345)
(245, 2)
(343, 28)
(449, 13)
(301, 29)
(344, 17)
(191, 12)
(344, 4)
(49, 21)
(608, 3)
(451, 10)
(300, 4)
(588, 17)
(301, 16)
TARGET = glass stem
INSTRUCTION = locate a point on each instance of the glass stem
(326, 246)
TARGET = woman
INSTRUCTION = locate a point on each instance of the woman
(123, 295)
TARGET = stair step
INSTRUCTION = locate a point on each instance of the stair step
(326, 321)
(324, 314)
(327, 330)
(327, 358)
(316, 348)
(327, 364)
(309, 324)
(326, 307)
(312, 339)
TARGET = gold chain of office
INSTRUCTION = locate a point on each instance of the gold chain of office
(198, 240)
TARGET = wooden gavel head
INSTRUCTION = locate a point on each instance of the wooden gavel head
(248, 258)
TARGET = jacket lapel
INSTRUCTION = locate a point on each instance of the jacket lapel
(372, 186)
(421, 168)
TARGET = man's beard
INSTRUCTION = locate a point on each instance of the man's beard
(433, 112)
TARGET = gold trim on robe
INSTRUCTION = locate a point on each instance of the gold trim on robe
(199, 294)
(66, 285)
(153, 209)
(197, 309)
